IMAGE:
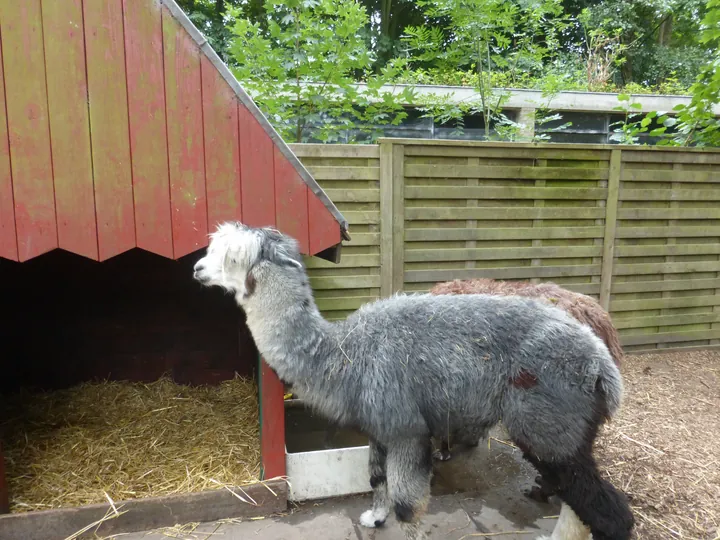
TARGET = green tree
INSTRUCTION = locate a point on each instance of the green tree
(302, 65)
(487, 37)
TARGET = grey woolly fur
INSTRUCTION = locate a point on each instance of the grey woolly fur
(411, 367)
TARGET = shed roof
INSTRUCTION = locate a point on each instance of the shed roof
(125, 129)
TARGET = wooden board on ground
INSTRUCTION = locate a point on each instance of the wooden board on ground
(145, 514)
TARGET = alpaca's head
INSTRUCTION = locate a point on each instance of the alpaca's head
(239, 256)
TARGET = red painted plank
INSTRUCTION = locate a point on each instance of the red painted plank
(256, 165)
(324, 229)
(28, 128)
(70, 126)
(8, 236)
(107, 89)
(222, 150)
(183, 94)
(148, 135)
(291, 201)
(272, 431)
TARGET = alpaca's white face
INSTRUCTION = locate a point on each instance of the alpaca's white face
(233, 250)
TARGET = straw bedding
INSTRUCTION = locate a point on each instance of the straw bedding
(128, 441)
(663, 449)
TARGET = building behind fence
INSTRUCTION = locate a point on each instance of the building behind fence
(636, 227)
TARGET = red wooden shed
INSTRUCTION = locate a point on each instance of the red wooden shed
(121, 128)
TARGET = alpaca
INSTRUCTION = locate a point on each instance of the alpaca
(582, 307)
(409, 367)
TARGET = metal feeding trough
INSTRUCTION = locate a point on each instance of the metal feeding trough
(322, 460)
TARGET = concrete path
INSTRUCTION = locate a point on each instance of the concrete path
(450, 517)
(475, 494)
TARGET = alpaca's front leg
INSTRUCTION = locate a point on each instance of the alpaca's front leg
(409, 466)
(378, 481)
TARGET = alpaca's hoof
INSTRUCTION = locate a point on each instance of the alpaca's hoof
(373, 518)
(439, 455)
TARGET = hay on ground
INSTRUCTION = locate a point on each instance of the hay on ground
(128, 441)
(662, 448)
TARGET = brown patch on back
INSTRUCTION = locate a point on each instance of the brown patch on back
(524, 379)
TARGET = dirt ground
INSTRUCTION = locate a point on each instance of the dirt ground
(662, 448)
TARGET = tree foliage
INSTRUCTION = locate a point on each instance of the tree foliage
(302, 64)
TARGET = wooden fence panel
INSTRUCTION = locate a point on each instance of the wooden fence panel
(637, 228)
(513, 213)
(667, 264)
(350, 176)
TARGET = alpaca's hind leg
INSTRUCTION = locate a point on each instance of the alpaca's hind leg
(376, 516)
(444, 453)
(593, 500)
(409, 469)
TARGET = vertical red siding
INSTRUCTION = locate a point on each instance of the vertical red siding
(256, 165)
(8, 236)
(272, 431)
(69, 126)
(148, 130)
(222, 149)
(109, 126)
(183, 87)
(291, 194)
(28, 129)
(324, 229)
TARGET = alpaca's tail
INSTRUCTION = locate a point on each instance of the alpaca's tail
(610, 385)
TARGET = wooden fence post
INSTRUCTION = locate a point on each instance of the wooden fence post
(392, 217)
(611, 211)
(386, 219)
(398, 217)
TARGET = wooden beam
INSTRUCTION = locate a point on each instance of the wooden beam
(272, 422)
(151, 513)
(398, 223)
(611, 211)
(386, 219)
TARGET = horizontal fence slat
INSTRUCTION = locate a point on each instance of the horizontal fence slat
(643, 339)
(341, 172)
(669, 213)
(504, 192)
(344, 282)
(684, 267)
(513, 213)
(645, 175)
(647, 304)
(667, 232)
(506, 172)
(522, 272)
(670, 194)
(666, 320)
(667, 249)
(491, 254)
(363, 239)
(335, 150)
(510, 233)
(368, 217)
(568, 154)
(346, 261)
(353, 195)
(702, 157)
(664, 286)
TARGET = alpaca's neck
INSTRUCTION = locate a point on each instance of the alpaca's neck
(291, 336)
